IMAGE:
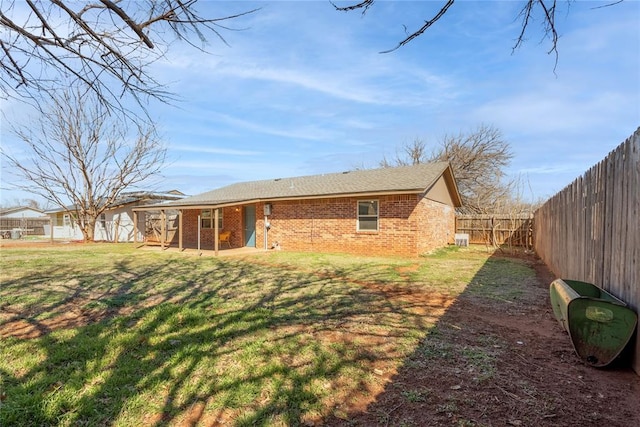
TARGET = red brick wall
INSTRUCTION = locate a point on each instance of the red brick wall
(232, 221)
(408, 226)
(330, 225)
(437, 225)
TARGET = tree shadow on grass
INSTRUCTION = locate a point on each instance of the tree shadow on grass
(498, 357)
(199, 341)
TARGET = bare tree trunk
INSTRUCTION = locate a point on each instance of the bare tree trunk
(87, 228)
(90, 229)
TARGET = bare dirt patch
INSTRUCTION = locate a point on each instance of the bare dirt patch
(497, 363)
(40, 243)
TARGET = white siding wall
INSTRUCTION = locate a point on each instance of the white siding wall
(120, 219)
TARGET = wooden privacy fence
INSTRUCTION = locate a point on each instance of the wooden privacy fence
(496, 230)
(590, 231)
(30, 226)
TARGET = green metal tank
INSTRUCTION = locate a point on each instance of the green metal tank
(599, 324)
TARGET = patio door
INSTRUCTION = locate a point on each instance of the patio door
(250, 226)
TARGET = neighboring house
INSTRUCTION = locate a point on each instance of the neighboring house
(404, 211)
(20, 212)
(116, 224)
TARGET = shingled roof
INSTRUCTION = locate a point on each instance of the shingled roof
(131, 197)
(404, 179)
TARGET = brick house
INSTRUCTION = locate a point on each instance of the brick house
(405, 211)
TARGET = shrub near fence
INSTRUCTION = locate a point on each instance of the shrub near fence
(499, 229)
(590, 230)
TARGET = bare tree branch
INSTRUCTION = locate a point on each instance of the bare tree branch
(365, 5)
(107, 45)
(546, 8)
(608, 4)
(549, 24)
(127, 19)
(424, 28)
(413, 153)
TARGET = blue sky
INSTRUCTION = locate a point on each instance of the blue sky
(303, 89)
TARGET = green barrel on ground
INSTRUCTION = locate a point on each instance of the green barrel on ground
(599, 324)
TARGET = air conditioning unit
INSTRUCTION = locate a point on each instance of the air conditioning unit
(462, 239)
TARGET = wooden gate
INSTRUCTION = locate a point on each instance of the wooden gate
(153, 227)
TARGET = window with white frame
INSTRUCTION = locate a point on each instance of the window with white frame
(103, 220)
(206, 219)
(367, 215)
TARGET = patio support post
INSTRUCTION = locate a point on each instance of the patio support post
(216, 232)
(163, 229)
(51, 227)
(199, 228)
(180, 230)
(135, 226)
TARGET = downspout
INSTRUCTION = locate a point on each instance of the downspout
(267, 211)
(266, 231)
(199, 252)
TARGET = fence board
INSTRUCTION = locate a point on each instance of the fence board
(30, 226)
(500, 229)
(590, 230)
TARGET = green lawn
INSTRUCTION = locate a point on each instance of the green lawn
(109, 335)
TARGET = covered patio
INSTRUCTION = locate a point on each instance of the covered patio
(215, 229)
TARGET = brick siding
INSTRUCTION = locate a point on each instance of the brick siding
(437, 225)
(232, 221)
(408, 225)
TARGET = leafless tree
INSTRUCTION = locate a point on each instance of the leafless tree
(79, 153)
(413, 153)
(543, 11)
(106, 45)
(478, 160)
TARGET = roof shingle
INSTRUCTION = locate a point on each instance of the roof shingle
(416, 178)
